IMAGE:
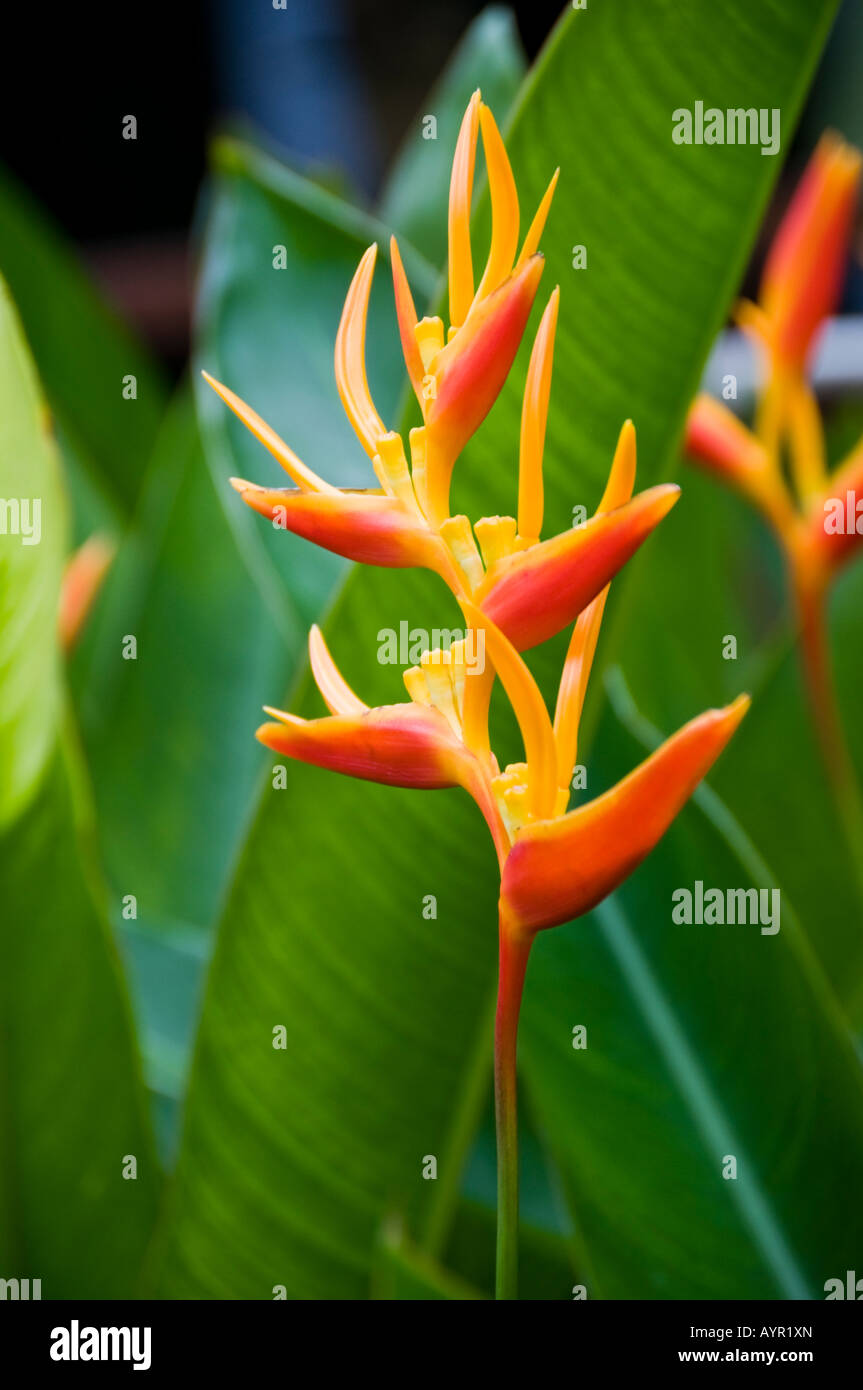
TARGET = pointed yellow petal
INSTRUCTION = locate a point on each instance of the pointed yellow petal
(537, 226)
(350, 358)
(504, 206)
(294, 467)
(573, 685)
(533, 421)
(338, 696)
(407, 317)
(528, 707)
(621, 479)
(460, 192)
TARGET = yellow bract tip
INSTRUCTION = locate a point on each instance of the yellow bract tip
(621, 478)
(350, 357)
(537, 226)
(338, 696)
(293, 466)
(460, 193)
(504, 206)
(534, 417)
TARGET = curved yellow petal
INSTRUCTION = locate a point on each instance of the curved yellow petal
(534, 415)
(537, 226)
(294, 467)
(621, 478)
(350, 357)
(573, 686)
(460, 193)
(338, 696)
(406, 315)
(504, 206)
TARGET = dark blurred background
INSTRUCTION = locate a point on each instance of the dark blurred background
(329, 83)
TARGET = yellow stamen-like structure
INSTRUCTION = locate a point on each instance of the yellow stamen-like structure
(496, 536)
(456, 532)
(391, 467)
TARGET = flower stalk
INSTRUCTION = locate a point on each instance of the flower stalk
(514, 589)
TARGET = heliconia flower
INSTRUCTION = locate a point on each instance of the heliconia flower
(515, 590)
(804, 270)
(780, 465)
(800, 287)
(82, 581)
(531, 588)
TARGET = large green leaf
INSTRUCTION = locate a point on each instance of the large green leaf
(292, 1158)
(167, 730)
(703, 1042)
(74, 1214)
(84, 353)
(32, 548)
(72, 1101)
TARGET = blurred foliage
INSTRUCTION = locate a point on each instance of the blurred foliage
(302, 1167)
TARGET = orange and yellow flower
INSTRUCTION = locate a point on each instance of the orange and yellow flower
(514, 589)
(779, 465)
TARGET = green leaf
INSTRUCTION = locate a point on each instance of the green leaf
(84, 353)
(489, 56)
(32, 549)
(170, 730)
(402, 1272)
(71, 1095)
(704, 1043)
(291, 1158)
(73, 1102)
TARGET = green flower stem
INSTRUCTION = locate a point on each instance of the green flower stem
(514, 952)
(811, 607)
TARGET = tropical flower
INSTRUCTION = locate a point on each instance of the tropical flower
(812, 513)
(515, 591)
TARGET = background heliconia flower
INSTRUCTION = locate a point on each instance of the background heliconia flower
(800, 288)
